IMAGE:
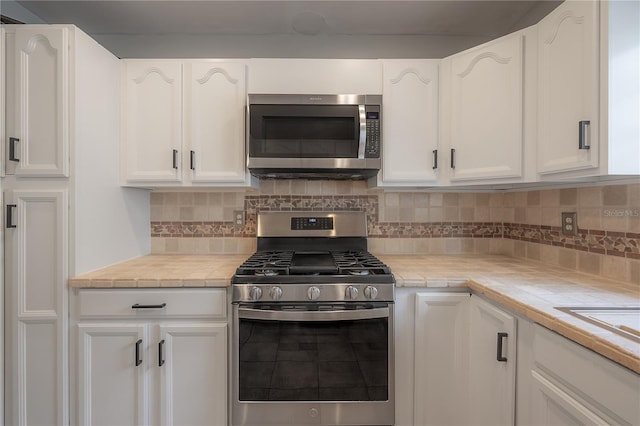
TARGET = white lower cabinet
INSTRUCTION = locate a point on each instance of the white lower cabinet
(570, 384)
(163, 361)
(465, 359)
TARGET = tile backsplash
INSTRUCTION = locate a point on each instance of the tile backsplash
(522, 224)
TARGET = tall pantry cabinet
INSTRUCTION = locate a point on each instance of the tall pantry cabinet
(64, 212)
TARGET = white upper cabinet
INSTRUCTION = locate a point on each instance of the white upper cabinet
(568, 70)
(38, 102)
(184, 129)
(485, 126)
(215, 96)
(410, 123)
(152, 121)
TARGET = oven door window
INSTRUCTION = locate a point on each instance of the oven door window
(343, 360)
(304, 131)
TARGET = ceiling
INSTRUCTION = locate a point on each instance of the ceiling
(122, 20)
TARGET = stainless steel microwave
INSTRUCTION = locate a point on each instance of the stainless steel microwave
(314, 136)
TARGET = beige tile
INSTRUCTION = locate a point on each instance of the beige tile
(298, 187)
(496, 200)
(533, 215)
(170, 212)
(466, 199)
(568, 197)
(436, 199)
(467, 214)
(157, 245)
(186, 213)
(450, 199)
(422, 245)
(405, 200)
(436, 214)
(436, 245)
(200, 213)
(156, 198)
(156, 213)
(615, 221)
(509, 199)
(568, 258)
(550, 198)
(590, 196)
(227, 213)
(467, 245)
(589, 262)
(406, 214)
(509, 215)
(452, 245)
(329, 187)
(229, 199)
(482, 245)
(172, 245)
(421, 214)
(283, 186)
(614, 195)
(451, 214)
(200, 198)
(391, 199)
(633, 195)
(216, 245)
(392, 214)
(533, 251)
(616, 267)
(170, 198)
(314, 187)
(520, 199)
(216, 213)
(550, 216)
(590, 218)
(520, 215)
(393, 246)
(482, 199)
(634, 272)
(420, 199)
(230, 245)
(215, 199)
(185, 198)
(549, 254)
(481, 214)
(533, 198)
(267, 186)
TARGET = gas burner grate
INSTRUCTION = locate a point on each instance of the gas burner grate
(359, 263)
(266, 263)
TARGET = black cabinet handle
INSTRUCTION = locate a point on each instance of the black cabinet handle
(435, 159)
(10, 208)
(161, 353)
(499, 357)
(192, 160)
(582, 134)
(139, 306)
(175, 159)
(453, 158)
(12, 149)
(138, 358)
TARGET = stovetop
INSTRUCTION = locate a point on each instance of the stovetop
(313, 263)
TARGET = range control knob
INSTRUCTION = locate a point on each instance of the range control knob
(255, 293)
(313, 293)
(370, 292)
(275, 293)
(351, 293)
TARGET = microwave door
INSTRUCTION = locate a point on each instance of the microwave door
(307, 131)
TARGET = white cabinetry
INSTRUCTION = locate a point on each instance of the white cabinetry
(572, 385)
(184, 123)
(63, 213)
(486, 107)
(37, 121)
(588, 89)
(492, 363)
(456, 361)
(410, 116)
(568, 87)
(441, 358)
(36, 270)
(151, 357)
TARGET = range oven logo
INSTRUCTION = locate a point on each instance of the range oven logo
(315, 98)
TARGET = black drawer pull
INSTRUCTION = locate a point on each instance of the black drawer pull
(583, 136)
(138, 359)
(499, 357)
(435, 159)
(192, 160)
(12, 149)
(175, 159)
(161, 353)
(138, 306)
(453, 158)
(10, 208)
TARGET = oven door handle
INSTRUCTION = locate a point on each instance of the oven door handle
(342, 315)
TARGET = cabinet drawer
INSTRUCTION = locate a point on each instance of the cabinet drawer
(604, 387)
(145, 304)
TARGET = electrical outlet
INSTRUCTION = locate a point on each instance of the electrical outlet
(238, 217)
(569, 223)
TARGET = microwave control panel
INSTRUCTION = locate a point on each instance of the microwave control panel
(372, 146)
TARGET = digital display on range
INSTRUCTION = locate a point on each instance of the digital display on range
(311, 223)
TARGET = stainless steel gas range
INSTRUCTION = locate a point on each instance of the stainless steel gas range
(312, 325)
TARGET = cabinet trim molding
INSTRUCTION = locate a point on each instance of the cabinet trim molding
(413, 71)
(217, 70)
(480, 57)
(556, 28)
(155, 70)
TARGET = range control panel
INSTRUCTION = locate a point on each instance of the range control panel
(372, 145)
(311, 223)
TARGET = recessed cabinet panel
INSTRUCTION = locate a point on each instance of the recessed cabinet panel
(486, 111)
(39, 144)
(153, 121)
(111, 368)
(410, 130)
(215, 95)
(568, 88)
(40, 372)
(194, 360)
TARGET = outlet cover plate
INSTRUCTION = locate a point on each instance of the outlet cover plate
(569, 223)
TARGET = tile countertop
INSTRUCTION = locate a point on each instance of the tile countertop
(528, 288)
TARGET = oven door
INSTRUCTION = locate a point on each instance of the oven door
(313, 364)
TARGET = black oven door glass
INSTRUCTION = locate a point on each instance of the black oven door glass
(313, 360)
(304, 131)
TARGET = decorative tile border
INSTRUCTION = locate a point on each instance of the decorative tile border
(619, 244)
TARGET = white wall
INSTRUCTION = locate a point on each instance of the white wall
(13, 10)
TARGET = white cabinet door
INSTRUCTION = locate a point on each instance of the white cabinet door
(38, 134)
(554, 407)
(492, 365)
(152, 121)
(441, 358)
(193, 368)
(112, 383)
(568, 87)
(410, 122)
(36, 274)
(215, 97)
(486, 111)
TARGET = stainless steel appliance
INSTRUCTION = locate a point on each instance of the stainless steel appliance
(312, 325)
(314, 136)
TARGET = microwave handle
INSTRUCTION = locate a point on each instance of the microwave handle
(363, 131)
